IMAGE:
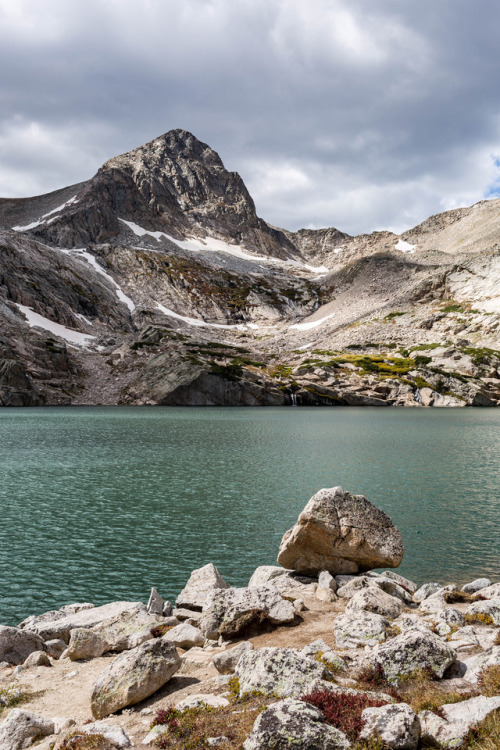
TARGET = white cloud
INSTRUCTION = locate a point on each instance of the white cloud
(356, 114)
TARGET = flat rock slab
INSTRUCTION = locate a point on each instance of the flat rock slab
(294, 724)
(16, 644)
(360, 628)
(133, 676)
(374, 599)
(277, 671)
(341, 533)
(61, 627)
(489, 609)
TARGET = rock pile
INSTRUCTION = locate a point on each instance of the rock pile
(377, 627)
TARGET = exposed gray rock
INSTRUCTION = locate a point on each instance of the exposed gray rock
(167, 609)
(202, 699)
(226, 661)
(476, 585)
(490, 608)
(320, 650)
(451, 728)
(231, 611)
(265, 574)
(185, 614)
(433, 604)
(133, 676)
(451, 616)
(55, 648)
(373, 599)
(201, 583)
(72, 609)
(16, 644)
(59, 625)
(327, 587)
(185, 636)
(464, 638)
(38, 659)
(85, 643)
(397, 725)
(410, 621)
(342, 533)
(356, 583)
(128, 629)
(21, 728)
(412, 651)
(155, 604)
(491, 592)
(342, 580)
(405, 583)
(475, 664)
(115, 734)
(277, 671)
(425, 591)
(293, 723)
(154, 734)
(359, 628)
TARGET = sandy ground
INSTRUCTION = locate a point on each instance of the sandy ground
(64, 689)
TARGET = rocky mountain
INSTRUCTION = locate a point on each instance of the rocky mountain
(155, 282)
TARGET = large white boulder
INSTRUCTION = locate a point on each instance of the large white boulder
(359, 628)
(341, 533)
(21, 728)
(374, 599)
(133, 676)
(16, 644)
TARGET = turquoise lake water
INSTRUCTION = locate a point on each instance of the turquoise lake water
(99, 504)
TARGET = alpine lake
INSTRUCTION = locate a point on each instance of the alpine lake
(101, 503)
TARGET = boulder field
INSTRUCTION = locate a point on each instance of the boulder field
(307, 657)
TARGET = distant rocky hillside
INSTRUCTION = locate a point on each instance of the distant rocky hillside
(155, 282)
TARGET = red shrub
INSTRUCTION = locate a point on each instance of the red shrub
(343, 710)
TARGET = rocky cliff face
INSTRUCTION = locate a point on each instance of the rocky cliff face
(156, 282)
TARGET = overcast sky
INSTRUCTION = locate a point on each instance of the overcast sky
(358, 114)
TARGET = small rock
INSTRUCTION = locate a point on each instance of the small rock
(373, 599)
(405, 583)
(299, 605)
(357, 583)
(319, 648)
(293, 723)
(85, 643)
(186, 614)
(489, 608)
(359, 628)
(167, 609)
(61, 724)
(475, 665)
(200, 699)
(112, 732)
(185, 636)
(72, 609)
(425, 591)
(55, 648)
(491, 592)
(16, 644)
(21, 728)
(38, 659)
(155, 604)
(70, 675)
(327, 587)
(451, 616)
(225, 662)
(214, 741)
(476, 585)
(154, 734)
(265, 574)
(133, 676)
(397, 725)
(201, 582)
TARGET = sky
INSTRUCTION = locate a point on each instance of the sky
(356, 114)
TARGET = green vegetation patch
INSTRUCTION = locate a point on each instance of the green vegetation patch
(393, 315)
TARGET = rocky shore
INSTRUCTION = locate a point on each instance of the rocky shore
(319, 653)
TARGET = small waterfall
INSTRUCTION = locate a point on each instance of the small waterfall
(293, 397)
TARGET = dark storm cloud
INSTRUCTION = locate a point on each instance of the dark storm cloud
(356, 114)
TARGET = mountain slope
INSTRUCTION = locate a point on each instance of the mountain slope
(156, 282)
